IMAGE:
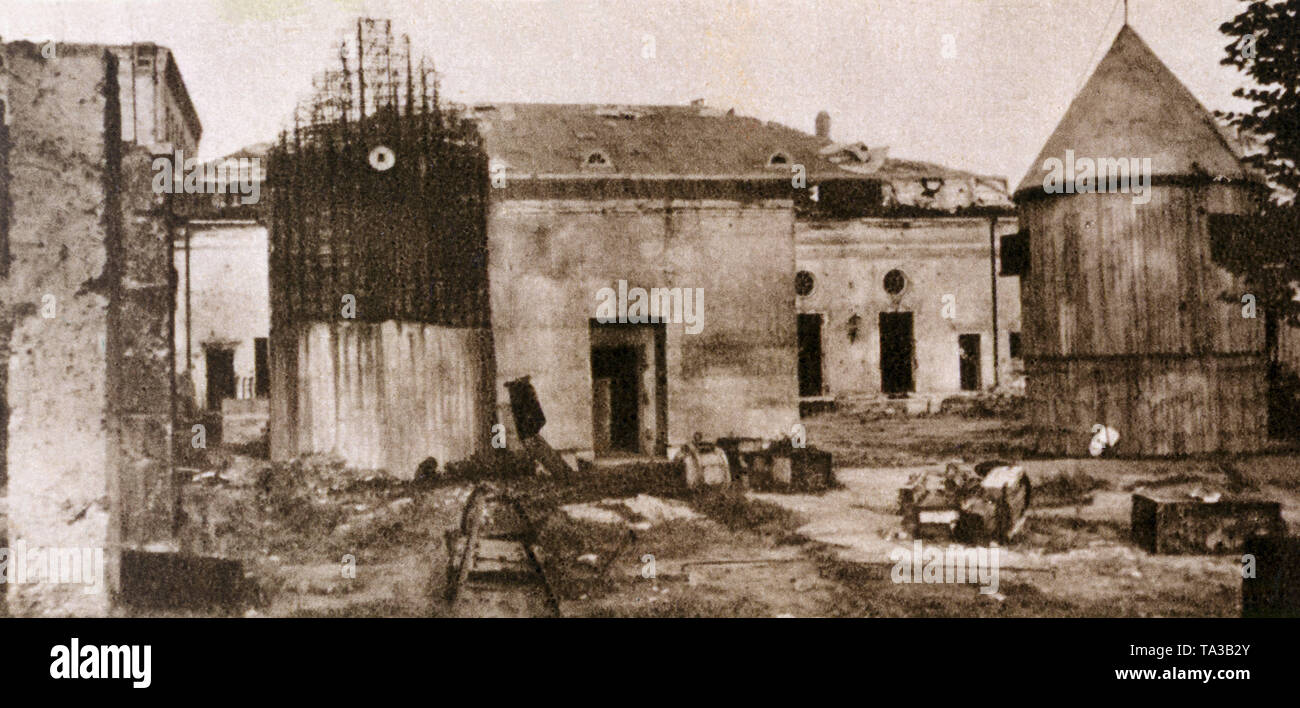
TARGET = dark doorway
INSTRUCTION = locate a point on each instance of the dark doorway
(1283, 397)
(968, 346)
(896, 352)
(261, 369)
(614, 408)
(221, 376)
(810, 355)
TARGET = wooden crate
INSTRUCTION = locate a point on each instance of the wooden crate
(1169, 522)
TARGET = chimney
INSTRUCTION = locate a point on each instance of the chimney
(824, 125)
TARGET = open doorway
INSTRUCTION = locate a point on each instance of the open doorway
(968, 348)
(629, 383)
(810, 354)
(220, 365)
(896, 352)
(615, 399)
(261, 368)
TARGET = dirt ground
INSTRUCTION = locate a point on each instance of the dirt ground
(302, 528)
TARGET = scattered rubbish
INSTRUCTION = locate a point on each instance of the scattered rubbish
(656, 510)
(778, 465)
(987, 502)
(640, 512)
(705, 464)
(209, 477)
(399, 504)
(426, 474)
(593, 513)
(1067, 488)
(529, 420)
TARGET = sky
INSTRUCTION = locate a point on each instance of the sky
(970, 84)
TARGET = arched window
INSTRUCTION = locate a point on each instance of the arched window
(778, 159)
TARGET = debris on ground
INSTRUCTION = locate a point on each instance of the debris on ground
(1072, 487)
(757, 463)
(640, 512)
(984, 502)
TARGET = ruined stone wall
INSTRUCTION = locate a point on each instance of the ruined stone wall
(941, 256)
(87, 311)
(549, 258)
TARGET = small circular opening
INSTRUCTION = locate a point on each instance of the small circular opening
(895, 282)
(803, 282)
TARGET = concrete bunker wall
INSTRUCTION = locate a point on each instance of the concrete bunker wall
(384, 395)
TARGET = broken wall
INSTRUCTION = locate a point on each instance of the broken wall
(87, 318)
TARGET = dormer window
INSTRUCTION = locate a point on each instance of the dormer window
(778, 159)
(931, 185)
(596, 159)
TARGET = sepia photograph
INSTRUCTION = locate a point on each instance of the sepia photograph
(447, 310)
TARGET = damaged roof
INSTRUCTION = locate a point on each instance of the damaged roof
(630, 142)
(1134, 106)
(554, 139)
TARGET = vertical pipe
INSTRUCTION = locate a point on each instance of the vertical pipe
(361, 83)
(993, 280)
(189, 353)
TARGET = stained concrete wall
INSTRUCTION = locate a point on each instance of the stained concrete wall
(549, 258)
(383, 395)
(939, 256)
(87, 306)
(228, 293)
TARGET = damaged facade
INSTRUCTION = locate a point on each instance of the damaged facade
(596, 198)
(380, 346)
(901, 291)
(588, 199)
(87, 298)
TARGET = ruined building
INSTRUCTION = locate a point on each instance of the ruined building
(683, 199)
(380, 345)
(86, 293)
(889, 287)
(900, 287)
